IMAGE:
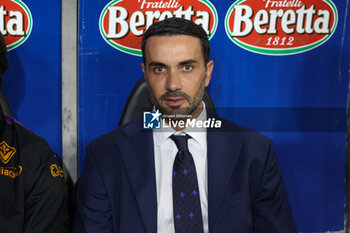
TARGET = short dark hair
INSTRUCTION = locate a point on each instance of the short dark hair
(177, 26)
(3, 57)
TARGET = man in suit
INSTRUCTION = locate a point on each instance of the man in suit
(223, 178)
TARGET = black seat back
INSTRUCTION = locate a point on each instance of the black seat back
(4, 105)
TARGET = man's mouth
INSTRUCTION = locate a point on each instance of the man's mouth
(174, 101)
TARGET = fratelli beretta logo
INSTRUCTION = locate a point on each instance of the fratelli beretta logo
(281, 27)
(123, 22)
(16, 22)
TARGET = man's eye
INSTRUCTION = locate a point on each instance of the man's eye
(158, 69)
(187, 68)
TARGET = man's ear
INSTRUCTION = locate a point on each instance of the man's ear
(209, 70)
(143, 67)
(144, 73)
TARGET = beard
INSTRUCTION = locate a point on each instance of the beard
(176, 111)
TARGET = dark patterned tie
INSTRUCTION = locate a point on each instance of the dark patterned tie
(186, 201)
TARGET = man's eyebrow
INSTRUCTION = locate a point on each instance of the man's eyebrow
(156, 63)
(189, 61)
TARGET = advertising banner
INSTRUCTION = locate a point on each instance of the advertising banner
(281, 67)
(32, 85)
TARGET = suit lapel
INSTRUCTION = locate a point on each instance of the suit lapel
(223, 151)
(138, 156)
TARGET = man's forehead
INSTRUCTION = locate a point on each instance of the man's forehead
(182, 46)
(175, 37)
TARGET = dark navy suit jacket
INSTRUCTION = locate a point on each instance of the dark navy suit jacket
(117, 189)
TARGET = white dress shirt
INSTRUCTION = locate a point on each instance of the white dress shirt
(164, 154)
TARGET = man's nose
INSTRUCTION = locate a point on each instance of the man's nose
(173, 81)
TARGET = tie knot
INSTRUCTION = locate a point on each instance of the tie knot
(181, 141)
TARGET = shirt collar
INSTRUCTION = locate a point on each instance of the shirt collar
(200, 136)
